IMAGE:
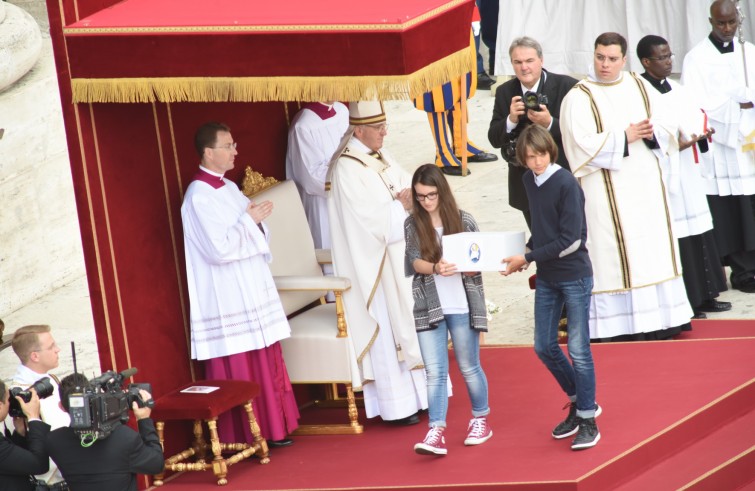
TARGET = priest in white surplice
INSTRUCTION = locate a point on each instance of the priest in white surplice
(236, 315)
(610, 141)
(693, 225)
(313, 138)
(715, 71)
(368, 202)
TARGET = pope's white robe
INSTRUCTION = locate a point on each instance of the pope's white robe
(683, 170)
(367, 229)
(49, 412)
(718, 81)
(638, 284)
(234, 305)
(312, 141)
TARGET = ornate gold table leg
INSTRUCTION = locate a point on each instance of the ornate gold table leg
(218, 462)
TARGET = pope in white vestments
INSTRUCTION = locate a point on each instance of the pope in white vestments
(237, 319)
(610, 140)
(368, 199)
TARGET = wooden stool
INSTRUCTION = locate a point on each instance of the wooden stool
(179, 405)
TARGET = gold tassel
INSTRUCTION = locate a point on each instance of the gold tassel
(259, 89)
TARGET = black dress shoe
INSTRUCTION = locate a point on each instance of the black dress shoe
(484, 81)
(745, 287)
(286, 442)
(482, 157)
(408, 421)
(699, 315)
(714, 306)
(453, 170)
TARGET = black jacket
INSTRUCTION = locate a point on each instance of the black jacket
(555, 88)
(21, 457)
(110, 464)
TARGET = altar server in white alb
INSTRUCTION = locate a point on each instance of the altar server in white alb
(369, 200)
(613, 148)
(714, 71)
(703, 276)
(313, 138)
(237, 319)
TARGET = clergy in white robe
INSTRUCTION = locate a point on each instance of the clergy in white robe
(368, 198)
(313, 138)
(714, 71)
(610, 140)
(236, 316)
(703, 276)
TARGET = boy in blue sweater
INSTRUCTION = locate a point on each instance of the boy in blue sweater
(564, 278)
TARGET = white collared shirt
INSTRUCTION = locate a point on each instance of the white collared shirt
(549, 171)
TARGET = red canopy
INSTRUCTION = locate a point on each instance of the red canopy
(241, 50)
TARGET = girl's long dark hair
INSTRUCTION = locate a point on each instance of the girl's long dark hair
(429, 246)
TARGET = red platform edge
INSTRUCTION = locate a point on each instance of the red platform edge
(702, 422)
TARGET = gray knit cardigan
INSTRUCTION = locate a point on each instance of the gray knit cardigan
(427, 310)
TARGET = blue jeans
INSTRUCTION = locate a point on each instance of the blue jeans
(434, 347)
(578, 376)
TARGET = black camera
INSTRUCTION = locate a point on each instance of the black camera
(97, 409)
(532, 100)
(509, 151)
(43, 387)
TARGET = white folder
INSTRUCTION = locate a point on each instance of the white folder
(481, 251)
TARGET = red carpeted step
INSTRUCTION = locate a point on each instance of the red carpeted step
(724, 459)
(658, 398)
(719, 329)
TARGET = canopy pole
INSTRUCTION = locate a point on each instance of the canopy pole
(463, 116)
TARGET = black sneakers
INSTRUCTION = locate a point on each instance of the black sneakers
(570, 425)
(588, 434)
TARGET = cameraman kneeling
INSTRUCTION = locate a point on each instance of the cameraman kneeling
(111, 463)
(24, 453)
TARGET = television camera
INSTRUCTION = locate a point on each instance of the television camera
(97, 409)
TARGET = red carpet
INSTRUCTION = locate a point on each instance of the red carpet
(658, 398)
(717, 329)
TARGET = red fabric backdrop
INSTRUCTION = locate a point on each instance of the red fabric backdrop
(132, 162)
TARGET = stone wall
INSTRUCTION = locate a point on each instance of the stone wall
(40, 246)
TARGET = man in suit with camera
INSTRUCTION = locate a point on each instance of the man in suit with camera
(533, 97)
(111, 463)
(38, 354)
(23, 453)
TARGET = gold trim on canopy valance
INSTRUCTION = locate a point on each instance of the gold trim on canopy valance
(260, 89)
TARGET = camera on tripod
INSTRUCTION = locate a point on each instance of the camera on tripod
(43, 387)
(99, 407)
(532, 100)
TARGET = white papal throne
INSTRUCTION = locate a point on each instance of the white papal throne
(319, 350)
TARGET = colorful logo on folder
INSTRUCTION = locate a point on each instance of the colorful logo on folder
(474, 252)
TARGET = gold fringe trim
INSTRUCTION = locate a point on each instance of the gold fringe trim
(260, 89)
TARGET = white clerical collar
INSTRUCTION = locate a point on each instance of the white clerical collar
(549, 171)
(594, 78)
(357, 145)
(537, 84)
(205, 169)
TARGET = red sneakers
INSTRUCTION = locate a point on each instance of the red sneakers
(434, 443)
(478, 431)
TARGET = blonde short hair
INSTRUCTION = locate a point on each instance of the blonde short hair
(26, 340)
